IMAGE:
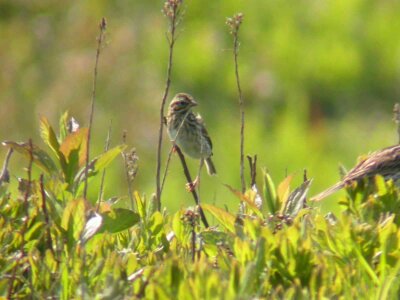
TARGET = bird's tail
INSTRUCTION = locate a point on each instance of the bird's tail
(327, 192)
(210, 166)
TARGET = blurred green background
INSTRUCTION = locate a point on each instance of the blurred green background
(319, 77)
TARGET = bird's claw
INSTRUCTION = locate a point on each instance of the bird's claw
(191, 186)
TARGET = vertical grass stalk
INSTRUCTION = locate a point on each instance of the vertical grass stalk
(172, 11)
(234, 25)
(100, 41)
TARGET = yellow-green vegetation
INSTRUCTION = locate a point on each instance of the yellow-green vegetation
(55, 244)
(319, 81)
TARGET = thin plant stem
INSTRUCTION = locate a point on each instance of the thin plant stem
(100, 41)
(241, 106)
(171, 10)
(106, 147)
(234, 24)
(166, 168)
(193, 191)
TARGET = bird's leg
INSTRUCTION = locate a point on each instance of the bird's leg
(174, 147)
(191, 186)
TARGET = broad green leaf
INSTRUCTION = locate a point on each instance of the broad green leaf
(75, 145)
(40, 157)
(283, 191)
(63, 125)
(103, 160)
(177, 226)
(35, 231)
(118, 219)
(97, 164)
(225, 218)
(141, 205)
(49, 137)
(269, 193)
(156, 223)
(73, 219)
(381, 186)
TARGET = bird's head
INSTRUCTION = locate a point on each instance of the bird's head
(182, 102)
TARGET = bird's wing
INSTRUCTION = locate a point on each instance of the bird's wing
(204, 131)
(383, 162)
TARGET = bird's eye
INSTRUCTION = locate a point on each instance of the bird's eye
(180, 104)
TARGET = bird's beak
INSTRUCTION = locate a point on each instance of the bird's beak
(194, 103)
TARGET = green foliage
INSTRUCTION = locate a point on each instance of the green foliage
(54, 244)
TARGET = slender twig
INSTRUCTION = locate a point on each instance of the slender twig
(49, 241)
(189, 180)
(25, 222)
(166, 167)
(305, 175)
(5, 176)
(171, 10)
(106, 147)
(100, 40)
(253, 168)
(234, 24)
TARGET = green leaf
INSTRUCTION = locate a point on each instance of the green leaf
(97, 164)
(75, 142)
(73, 219)
(156, 223)
(141, 205)
(178, 227)
(40, 157)
(35, 231)
(118, 219)
(103, 160)
(269, 193)
(63, 124)
(283, 191)
(225, 218)
(49, 137)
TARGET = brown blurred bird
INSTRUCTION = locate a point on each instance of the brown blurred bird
(188, 131)
(385, 162)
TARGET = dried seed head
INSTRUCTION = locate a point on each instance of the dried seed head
(131, 161)
(171, 7)
(234, 22)
(103, 24)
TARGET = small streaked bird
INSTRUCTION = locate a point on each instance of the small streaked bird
(188, 131)
(385, 162)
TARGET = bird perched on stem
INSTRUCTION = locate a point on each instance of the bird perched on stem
(385, 162)
(188, 132)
